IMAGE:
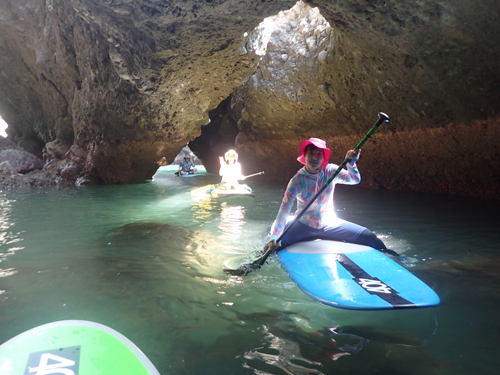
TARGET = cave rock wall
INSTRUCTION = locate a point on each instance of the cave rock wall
(104, 89)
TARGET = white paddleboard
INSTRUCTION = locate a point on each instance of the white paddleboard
(239, 191)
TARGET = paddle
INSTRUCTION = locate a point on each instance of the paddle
(258, 263)
(201, 189)
(251, 175)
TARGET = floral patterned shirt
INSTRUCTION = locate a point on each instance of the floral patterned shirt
(303, 187)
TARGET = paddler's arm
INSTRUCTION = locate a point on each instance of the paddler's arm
(350, 175)
(271, 246)
(223, 164)
(281, 219)
(353, 155)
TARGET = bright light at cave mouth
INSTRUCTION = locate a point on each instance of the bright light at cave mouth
(3, 128)
(266, 28)
(301, 29)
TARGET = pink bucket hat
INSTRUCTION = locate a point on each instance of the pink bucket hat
(319, 143)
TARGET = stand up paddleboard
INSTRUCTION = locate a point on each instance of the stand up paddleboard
(239, 191)
(354, 277)
(73, 347)
(188, 175)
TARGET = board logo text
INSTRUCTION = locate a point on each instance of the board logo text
(374, 286)
(63, 361)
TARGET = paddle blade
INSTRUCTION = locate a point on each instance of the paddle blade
(243, 270)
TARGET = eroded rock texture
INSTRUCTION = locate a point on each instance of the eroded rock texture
(104, 89)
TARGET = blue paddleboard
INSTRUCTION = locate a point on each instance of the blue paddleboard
(188, 175)
(73, 347)
(354, 277)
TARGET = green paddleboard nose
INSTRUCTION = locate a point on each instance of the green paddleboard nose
(73, 347)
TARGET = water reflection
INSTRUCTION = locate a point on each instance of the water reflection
(226, 222)
(297, 351)
(288, 348)
(5, 212)
(203, 209)
(232, 219)
(279, 354)
(7, 236)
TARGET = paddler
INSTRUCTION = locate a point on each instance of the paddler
(320, 221)
(230, 170)
(186, 166)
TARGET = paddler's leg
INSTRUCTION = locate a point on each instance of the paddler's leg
(368, 238)
(298, 233)
(353, 233)
(344, 231)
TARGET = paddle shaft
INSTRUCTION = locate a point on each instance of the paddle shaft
(382, 118)
(200, 189)
(252, 175)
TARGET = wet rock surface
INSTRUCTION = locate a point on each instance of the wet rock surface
(103, 90)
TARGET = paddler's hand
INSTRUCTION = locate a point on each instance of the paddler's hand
(271, 246)
(353, 155)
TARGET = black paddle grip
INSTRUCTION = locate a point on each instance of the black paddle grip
(382, 117)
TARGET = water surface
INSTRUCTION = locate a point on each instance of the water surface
(148, 260)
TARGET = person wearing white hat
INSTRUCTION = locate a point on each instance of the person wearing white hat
(230, 170)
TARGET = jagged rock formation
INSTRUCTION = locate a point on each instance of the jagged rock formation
(104, 89)
(19, 168)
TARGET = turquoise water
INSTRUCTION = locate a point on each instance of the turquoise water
(148, 260)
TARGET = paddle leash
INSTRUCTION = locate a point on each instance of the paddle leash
(258, 263)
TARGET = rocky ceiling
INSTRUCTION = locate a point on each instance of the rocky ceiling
(103, 89)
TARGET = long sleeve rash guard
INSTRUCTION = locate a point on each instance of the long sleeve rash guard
(303, 187)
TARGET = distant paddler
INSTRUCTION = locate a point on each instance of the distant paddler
(186, 166)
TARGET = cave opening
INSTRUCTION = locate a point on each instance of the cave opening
(292, 47)
(173, 168)
(216, 137)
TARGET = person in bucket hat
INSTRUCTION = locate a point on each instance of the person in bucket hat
(186, 166)
(320, 144)
(320, 220)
